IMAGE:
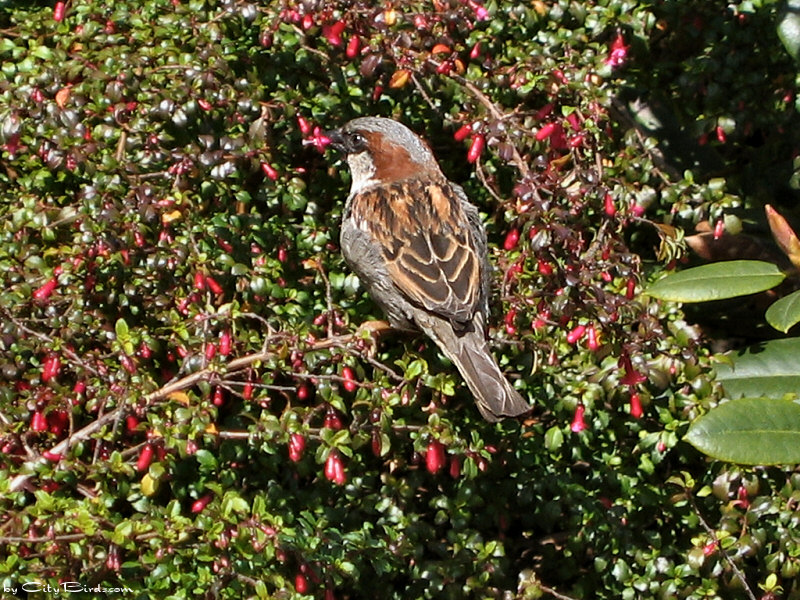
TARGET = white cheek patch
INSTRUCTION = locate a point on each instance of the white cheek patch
(362, 172)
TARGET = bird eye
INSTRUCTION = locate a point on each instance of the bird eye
(357, 142)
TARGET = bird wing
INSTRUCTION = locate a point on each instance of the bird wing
(431, 253)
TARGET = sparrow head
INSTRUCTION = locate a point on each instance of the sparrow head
(381, 151)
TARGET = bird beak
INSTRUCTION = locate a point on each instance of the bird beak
(336, 138)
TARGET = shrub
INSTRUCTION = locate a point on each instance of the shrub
(188, 407)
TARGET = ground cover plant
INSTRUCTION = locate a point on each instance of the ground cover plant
(187, 405)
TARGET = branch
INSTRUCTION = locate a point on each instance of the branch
(209, 373)
(736, 571)
(516, 158)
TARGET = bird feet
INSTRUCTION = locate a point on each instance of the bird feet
(367, 335)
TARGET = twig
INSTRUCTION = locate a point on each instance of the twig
(736, 571)
(554, 594)
(238, 364)
(74, 358)
(517, 159)
(70, 537)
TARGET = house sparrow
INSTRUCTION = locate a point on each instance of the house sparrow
(419, 246)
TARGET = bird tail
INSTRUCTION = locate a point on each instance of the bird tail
(493, 393)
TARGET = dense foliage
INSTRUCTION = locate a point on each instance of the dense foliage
(187, 405)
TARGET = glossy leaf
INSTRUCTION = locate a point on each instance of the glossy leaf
(751, 431)
(789, 28)
(783, 314)
(768, 369)
(717, 281)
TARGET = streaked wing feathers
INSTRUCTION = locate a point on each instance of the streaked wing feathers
(426, 241)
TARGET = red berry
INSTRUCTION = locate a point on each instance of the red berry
(591, 338)
(43, 293)
(444, 67)
(38, 421)
(225, 343)
(58, 421)
(127, 363)
(218, 399)
(211, 350)
(145, 458)
(719, 229)
(608, 205)
(131, 423)
(512, 237)
(333, 33)
(455, 467)
(301, 583)
(630, 288)
(544, 267)
(741, 498)
(545, 131)
(463, 133)
(213, 285)
(297, 445)
(350, 379)
(51, 367)
(544, 112)
(576, 334)
(353, 46)
(334, 468)
(476, 148)
(144, 351)
(434, 457)
(269, 171)
(332, 419)
(200, 504)
(636, 406)
(199, 280)
(225, 245)
(59, 10)
(377, 443)
(476, 51)
(510, 319)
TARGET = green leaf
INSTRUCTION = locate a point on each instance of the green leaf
(785, 313)
(124, 336)
(121, 329)
(206, 460)
(717, 281)
(42, 52)
(769, 369)
(751, 431)
(789, 28)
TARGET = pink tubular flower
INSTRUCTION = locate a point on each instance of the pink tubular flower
(333, 33)
(619, 52)
(578, 424)
(636, 406)
(631, 377)
(481, 12)
(318, 139)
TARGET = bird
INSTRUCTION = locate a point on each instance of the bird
(420, 248)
